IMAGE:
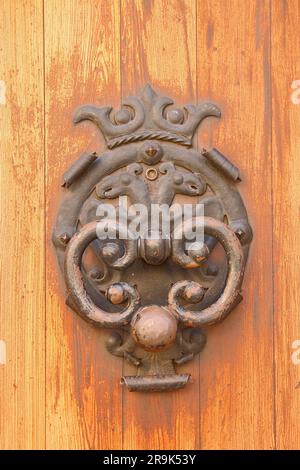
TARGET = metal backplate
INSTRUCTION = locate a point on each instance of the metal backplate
(153, 293)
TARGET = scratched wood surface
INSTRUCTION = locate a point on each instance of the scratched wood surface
(82, 63)
(286, 200)
(237, 399)
(59, 388)
(22, 248)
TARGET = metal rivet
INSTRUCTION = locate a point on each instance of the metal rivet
(151, 151)
(116, 294)
(122, 116)
(193, 292)
(240, 233)
(151, 174)
(176, 116)
(111, 251)
(65, 238)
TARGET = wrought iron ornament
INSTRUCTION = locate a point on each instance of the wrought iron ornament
(137, 287)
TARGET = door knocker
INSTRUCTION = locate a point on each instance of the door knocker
(154, 289)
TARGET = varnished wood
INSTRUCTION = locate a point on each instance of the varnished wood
(59, 387)
(22, 248)
(286, 200)
(81, 66)
(237, 374)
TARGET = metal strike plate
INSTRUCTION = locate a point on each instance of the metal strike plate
(153, 291)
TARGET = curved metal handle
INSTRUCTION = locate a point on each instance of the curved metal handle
(116, 293)
(188, 290)
(161, 331)
(194, 292)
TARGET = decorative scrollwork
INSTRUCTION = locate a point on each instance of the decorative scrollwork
(127, 184)
(187, 289)
(177, 182)
(150, 160)
(132, 126)
(77, 290)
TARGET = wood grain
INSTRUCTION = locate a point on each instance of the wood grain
(286, 198)
(59, 387)
(237, 396)
(82, 66)
(158, 46)
(22, 276)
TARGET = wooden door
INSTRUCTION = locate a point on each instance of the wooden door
(59, 388)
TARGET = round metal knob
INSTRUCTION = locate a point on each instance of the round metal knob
(154, 328)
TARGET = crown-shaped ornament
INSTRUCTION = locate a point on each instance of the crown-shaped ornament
(148, 116)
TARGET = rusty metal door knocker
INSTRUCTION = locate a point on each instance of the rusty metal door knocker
(136, 286)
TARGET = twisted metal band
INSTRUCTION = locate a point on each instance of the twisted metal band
(145, 135)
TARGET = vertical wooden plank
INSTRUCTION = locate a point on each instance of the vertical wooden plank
(158, 45)
(82, 66)
(286, 197)
(22, 302)
(237, 403)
